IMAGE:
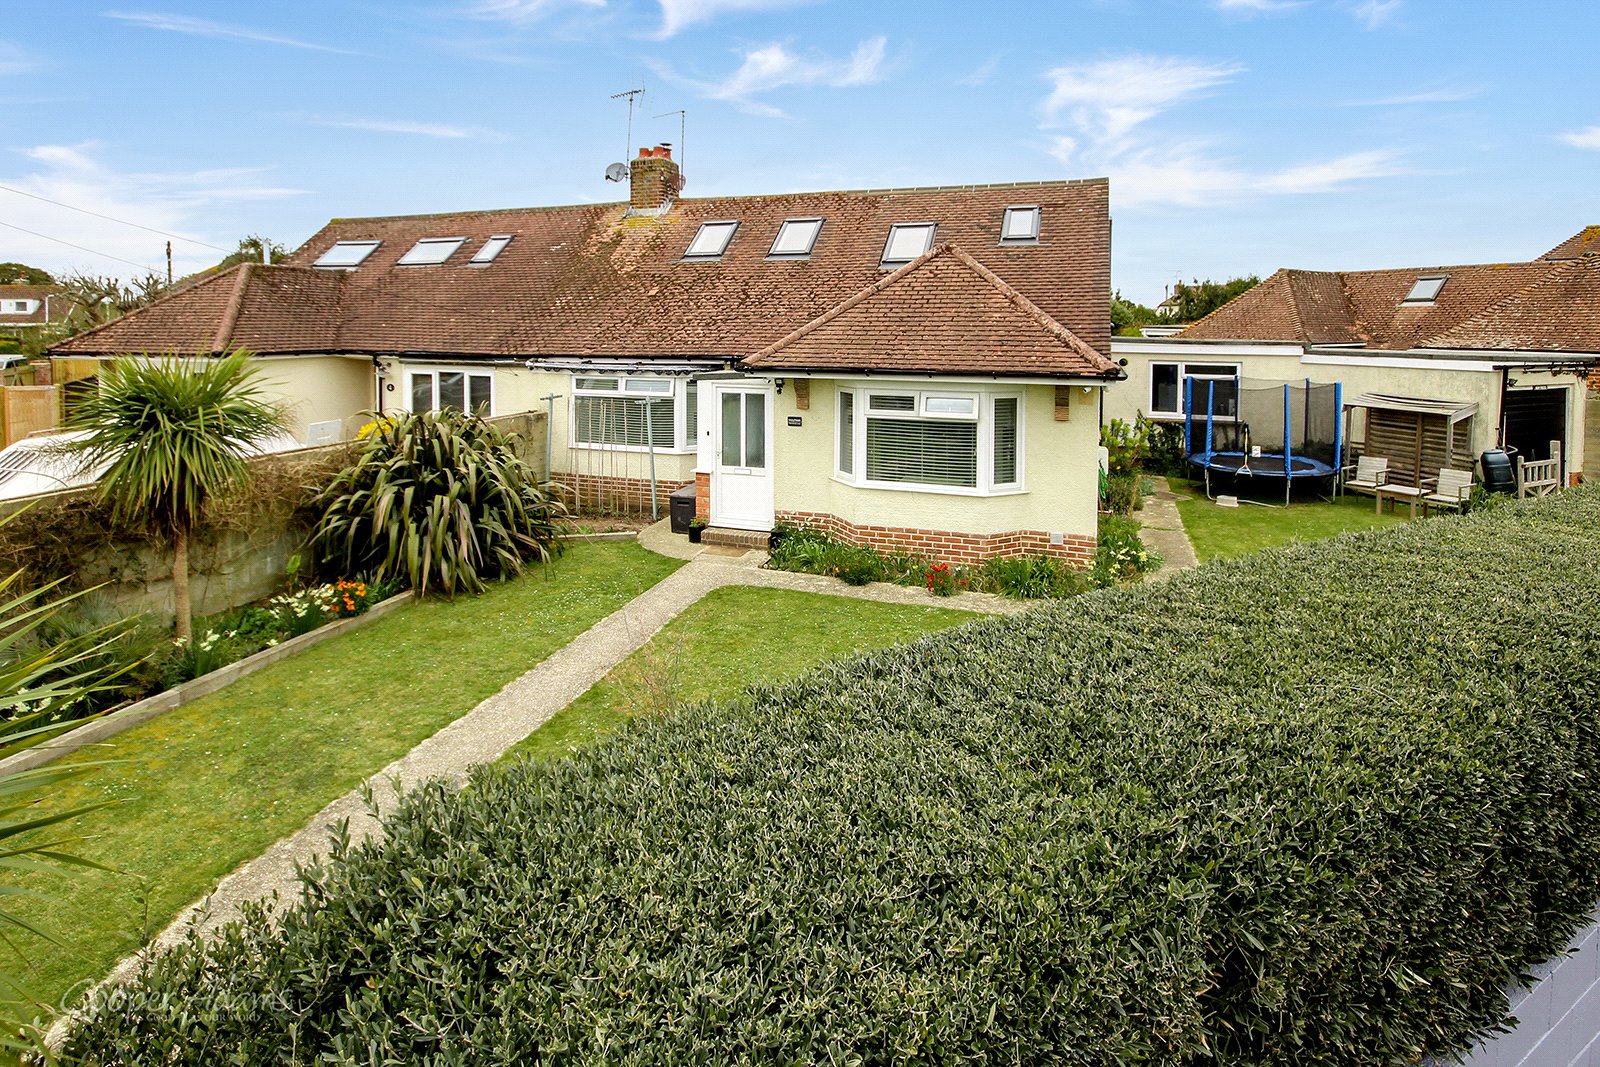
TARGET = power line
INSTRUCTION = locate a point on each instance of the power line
(111, 218)
(81, 248)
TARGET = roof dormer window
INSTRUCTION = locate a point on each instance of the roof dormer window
(431, 251)
(796, 238)
(1021, 225)
(491, 248)
(711, 241)
(1426, 289)
(346, 255)
(907, 241)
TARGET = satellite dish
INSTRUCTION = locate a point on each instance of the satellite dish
(617, 172)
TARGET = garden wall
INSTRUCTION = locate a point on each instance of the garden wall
(241, 558)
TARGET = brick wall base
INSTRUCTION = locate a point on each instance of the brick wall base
(612, 495)
(944, 545)
(702, 495)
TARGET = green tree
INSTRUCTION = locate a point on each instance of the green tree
(1128, 315)
(440, 499)
(174, 432)
(11, 273)
(1198, 299)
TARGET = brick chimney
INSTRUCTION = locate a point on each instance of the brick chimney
(655, 181)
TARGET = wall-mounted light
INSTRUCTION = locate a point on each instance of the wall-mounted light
(780, 386)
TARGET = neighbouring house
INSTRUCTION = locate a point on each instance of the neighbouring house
(913, 368)
(26, 308)
(1438, 364)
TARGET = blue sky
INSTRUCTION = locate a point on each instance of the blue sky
(1239, 135)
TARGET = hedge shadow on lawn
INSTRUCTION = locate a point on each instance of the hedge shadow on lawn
(1312, 807)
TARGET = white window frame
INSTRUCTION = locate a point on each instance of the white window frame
(888, 242)
(1184, 374)
(982, 416)
(18, 307)
(426, 252)
(684, 423)
(805, 253)
(349, 248)
(413, 373)
(732, 231)
(1017, 211)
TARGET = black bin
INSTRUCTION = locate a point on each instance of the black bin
(682, 509)
(1499, 476)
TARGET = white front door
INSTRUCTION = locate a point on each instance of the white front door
(741, 471)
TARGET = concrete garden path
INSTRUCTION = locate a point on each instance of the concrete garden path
(521, 707)
(1161, 529)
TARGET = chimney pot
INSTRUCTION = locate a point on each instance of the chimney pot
(645, 153)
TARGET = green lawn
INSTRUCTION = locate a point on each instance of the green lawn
(732, 637)
(208, 786)
(1222, 533)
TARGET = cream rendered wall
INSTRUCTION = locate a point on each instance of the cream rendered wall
(1060, 472)
(1480, 385)
(321, 389)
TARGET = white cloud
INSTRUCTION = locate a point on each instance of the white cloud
(524, 10)
(13, 60)
(1108, 98)
(775, 67)
(1108, 103)
(1586, 138)
(417, 129)
(207, 28)
(1374, 13)
(1428, 96)
(176, 202)
(676, 14)
(980, 74)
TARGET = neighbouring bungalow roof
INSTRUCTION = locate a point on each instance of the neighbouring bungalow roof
(593, 281)
(1535, 305)
(943, 312)
(46, 295)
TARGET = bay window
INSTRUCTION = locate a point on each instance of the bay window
(948, 440)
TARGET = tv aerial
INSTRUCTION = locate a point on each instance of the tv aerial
(617, 172)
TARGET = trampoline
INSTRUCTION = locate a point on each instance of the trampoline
(1244, 428)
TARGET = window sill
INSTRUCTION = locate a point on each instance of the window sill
(940, 490)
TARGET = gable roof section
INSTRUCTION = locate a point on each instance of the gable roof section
(1560, 312)
(1290, 305)
(28, 291)
(589, 280)
(943, 313)
(1583, 243)
(263, 308)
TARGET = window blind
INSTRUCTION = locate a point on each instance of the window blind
(1005, 440)
(923, 452)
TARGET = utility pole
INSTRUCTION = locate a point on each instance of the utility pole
(549, 430)
(169, 264)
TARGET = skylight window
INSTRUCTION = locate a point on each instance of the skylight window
(711, 241)
(346, 255)
(431, 251)
(1426, 289)
(907, 241)
(1021, 224)
(491, 248)
(796, 237)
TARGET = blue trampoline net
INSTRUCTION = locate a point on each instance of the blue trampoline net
(1262, 428)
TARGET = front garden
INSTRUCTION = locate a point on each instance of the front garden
(203, 788)
(1355, 801)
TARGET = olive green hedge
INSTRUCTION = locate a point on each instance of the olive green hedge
(1312, 807)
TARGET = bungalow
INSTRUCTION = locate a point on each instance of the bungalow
(1438, 363)
(907, 367)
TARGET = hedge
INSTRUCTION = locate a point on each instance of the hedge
(1316, 806)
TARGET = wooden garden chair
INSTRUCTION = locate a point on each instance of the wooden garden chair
(1368, 475)
(1451, 489)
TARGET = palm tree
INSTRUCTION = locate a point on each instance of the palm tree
(174, 432)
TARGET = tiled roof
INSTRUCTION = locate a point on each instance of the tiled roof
(262, 308)
(942, 313)
(1558, 313)
(1368, 308)
(1585, 242)
(590, 280)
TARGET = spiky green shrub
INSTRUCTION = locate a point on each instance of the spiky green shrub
(1314, 807)
(441, 500)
